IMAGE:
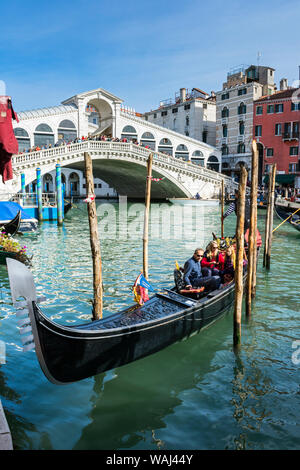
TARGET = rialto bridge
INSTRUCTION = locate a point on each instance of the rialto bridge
(187, 165)
(123, 166)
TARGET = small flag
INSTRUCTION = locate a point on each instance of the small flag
(140, 289)
(177, 266)
(89, 198)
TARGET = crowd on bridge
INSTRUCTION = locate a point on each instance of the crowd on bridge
(62, 142)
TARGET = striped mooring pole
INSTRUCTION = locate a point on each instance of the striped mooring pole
(59, 195)
(39, 194)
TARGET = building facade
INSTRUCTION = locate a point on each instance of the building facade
(192, 114)
(276, 127)
(234, 129)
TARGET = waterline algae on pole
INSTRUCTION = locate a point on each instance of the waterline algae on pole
(94, 239)
(238, 277)
(269, 218)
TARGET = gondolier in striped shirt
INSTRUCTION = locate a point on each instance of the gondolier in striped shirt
(233, 208)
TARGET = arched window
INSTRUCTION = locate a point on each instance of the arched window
(182, 152)
(43, 128)
(165, 146)
(225, 112)
(67, 131)
(242, 108)
(129, 133)
(198, 158)
(148, 140)
(43, 136)
(225, 130)
(22, 138)
(48, 183)
(74, 184)
(213, 163)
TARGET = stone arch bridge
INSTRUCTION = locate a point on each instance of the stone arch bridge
(123, 166)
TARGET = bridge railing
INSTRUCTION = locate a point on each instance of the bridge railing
(43, 156)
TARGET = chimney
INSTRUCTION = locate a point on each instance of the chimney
(182, 94)
(283, 84)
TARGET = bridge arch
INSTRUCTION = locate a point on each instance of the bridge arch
(182, 152)
(213, 163)
(128, 177)
(165, 146)
(23, 138)
(43, 135)
(100, 113)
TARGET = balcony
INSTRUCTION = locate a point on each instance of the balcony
(293, 135)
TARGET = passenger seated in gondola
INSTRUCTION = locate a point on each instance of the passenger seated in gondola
(213, 259)
(227, 265)
(194, 275)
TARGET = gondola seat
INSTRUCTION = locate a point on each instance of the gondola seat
(180, 287)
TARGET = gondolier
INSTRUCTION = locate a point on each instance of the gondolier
(233, 208)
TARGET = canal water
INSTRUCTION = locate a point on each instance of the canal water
(196, 394)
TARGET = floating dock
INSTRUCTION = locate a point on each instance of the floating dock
(5, 436)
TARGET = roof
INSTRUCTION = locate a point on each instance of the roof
(61, 109)
(278, 95)
(53, 110)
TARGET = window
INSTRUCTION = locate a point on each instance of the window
(258, 131)
(267, 168)
(224, 150)
(187, 106)
(154, 115)
(175, 110)
(187, 121)
(225, 112)
(277, 129)
(242, 128)
(259, 110)
(164, 113)
(270, 152)
(242, 91)
(279, 108)
(225, 96)
(241, 148)
(270, 109)
(242, 109)
(204, 136)
(225, 131)
(292, 167)
(204, 105)
(294, 150)
(295, 106)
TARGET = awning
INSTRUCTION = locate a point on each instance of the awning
(281, 179)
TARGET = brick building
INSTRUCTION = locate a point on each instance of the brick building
(276, 127)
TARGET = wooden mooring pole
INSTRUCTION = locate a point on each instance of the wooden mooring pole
(269, 218)
(94, 239)
(146, 215)
(252, 230)
(237, 318)
(222, 210)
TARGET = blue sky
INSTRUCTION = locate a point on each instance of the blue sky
(141, 51)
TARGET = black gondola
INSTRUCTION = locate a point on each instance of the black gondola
(12, 227)
(68, 354)
(284, 212)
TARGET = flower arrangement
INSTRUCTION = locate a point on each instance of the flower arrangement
(10, 245)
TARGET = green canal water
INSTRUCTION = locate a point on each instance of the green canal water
(196, 394)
